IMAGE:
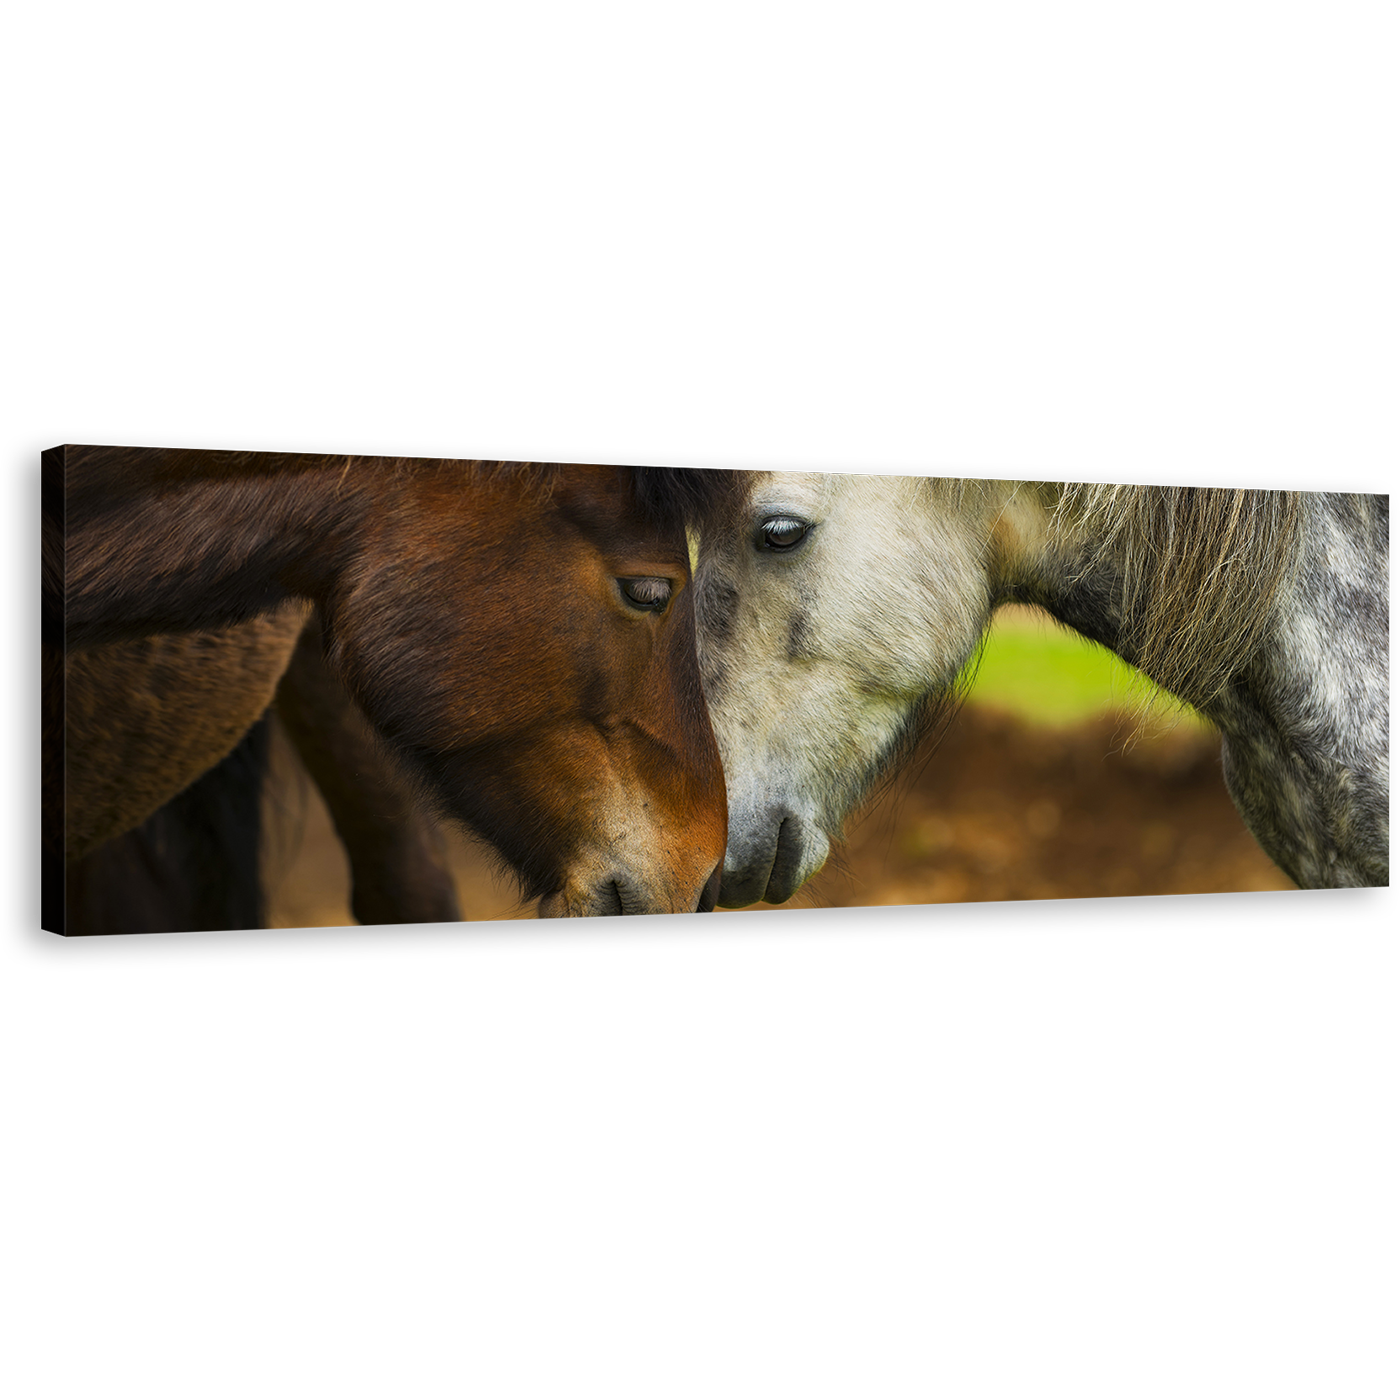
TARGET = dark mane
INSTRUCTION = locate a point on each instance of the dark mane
(668, 497)
(674, 497)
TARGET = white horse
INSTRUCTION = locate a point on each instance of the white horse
(835, 612)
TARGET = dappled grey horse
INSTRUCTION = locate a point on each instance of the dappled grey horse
(836, 614)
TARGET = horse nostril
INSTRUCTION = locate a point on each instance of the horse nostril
(709, 896)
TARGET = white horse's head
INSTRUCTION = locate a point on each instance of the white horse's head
(833, 612)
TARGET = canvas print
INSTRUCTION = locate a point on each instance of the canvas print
(283, 689)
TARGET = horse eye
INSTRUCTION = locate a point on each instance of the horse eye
(782, 532)
(648, 594)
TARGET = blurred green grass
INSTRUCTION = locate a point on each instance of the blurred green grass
(1046, 674)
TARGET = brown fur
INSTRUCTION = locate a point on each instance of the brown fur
(148, 716)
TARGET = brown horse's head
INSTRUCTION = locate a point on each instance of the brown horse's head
(526, 637)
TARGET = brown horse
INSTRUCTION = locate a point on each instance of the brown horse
(519, 637)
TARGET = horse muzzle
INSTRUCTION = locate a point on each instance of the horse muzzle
(620, 892)
(771, 855)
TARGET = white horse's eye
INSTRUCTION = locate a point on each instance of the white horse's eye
(782, 532)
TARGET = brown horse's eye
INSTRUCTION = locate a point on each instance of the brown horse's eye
(647, 594)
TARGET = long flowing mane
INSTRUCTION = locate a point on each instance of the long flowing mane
(1202, 569)
(1199, 569)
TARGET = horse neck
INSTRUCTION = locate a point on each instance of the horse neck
(1298, 686)
(1322, 672)
(162, 542)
